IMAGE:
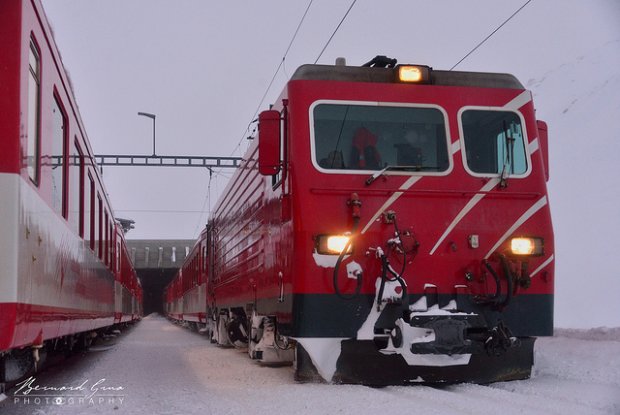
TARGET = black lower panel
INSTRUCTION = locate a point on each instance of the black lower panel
(361, 363)
(326, 315)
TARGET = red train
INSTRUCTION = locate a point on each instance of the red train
(390, 225)
(185, 298)
(65, 271)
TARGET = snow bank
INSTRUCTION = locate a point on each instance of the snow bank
(599, 333)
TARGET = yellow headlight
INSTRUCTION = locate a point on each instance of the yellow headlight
(332, 244)
(413, 73)
(410, 74)
(337, 243)
(526, 246)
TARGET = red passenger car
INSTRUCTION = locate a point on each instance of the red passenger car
(390, 225)
(64, 272)
(185, 298)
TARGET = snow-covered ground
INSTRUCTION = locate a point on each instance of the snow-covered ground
(165, 369)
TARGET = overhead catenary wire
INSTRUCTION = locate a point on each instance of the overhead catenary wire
(335, 30)
(327, 43)
(280, 65)
(204, 203)
(491, 34)
(273, 78)
(288, 48)
(243, 136)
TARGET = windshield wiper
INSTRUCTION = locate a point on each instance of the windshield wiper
(510, 142)
(380, 173)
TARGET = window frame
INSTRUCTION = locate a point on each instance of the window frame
(381, 104)
(526, 142)
(82, 183)
(106, 239)
(64, 172)
(91, 211)
(74, 184)
(99, 224)
(110, 245)
(34, 47)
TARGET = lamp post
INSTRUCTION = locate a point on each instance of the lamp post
(151, 116)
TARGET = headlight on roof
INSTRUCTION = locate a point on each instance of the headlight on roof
(526, 246)
(415, 74)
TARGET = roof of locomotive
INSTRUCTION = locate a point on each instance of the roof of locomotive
(386, 75)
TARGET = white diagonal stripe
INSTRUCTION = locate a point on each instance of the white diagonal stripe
(528, 214)
(455, 147)
(533, 146)
(544, 264)
(469, 206)
(410, 181)
(519, 101)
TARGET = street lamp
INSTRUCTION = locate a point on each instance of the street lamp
(151, 116)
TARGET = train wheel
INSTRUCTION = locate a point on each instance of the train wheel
(84, 341)
(237, 332)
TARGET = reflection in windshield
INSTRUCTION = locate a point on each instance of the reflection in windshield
(364, 137)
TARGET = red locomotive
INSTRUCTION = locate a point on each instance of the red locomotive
(65, 271)
(390, 225)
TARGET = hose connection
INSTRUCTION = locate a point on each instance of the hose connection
(355, 204)
(401, 243)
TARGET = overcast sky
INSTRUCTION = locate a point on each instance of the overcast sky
(203, 66)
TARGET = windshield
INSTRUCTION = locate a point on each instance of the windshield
(494, 142)
(371, 137)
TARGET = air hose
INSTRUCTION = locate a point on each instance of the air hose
(387, 268)
(494, 299)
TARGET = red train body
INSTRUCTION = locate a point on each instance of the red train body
(385, 231)
(185, 298)
(65, 270)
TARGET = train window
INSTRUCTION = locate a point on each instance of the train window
(89, 197)
(99, 223)
(94, 224)
(111, 244)
(57, 157)
(112, 248)
(494, 142)
(34, 108)
(106, 253)
(372, 137)
(76, 189)
(118, 257)
(204, 258)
